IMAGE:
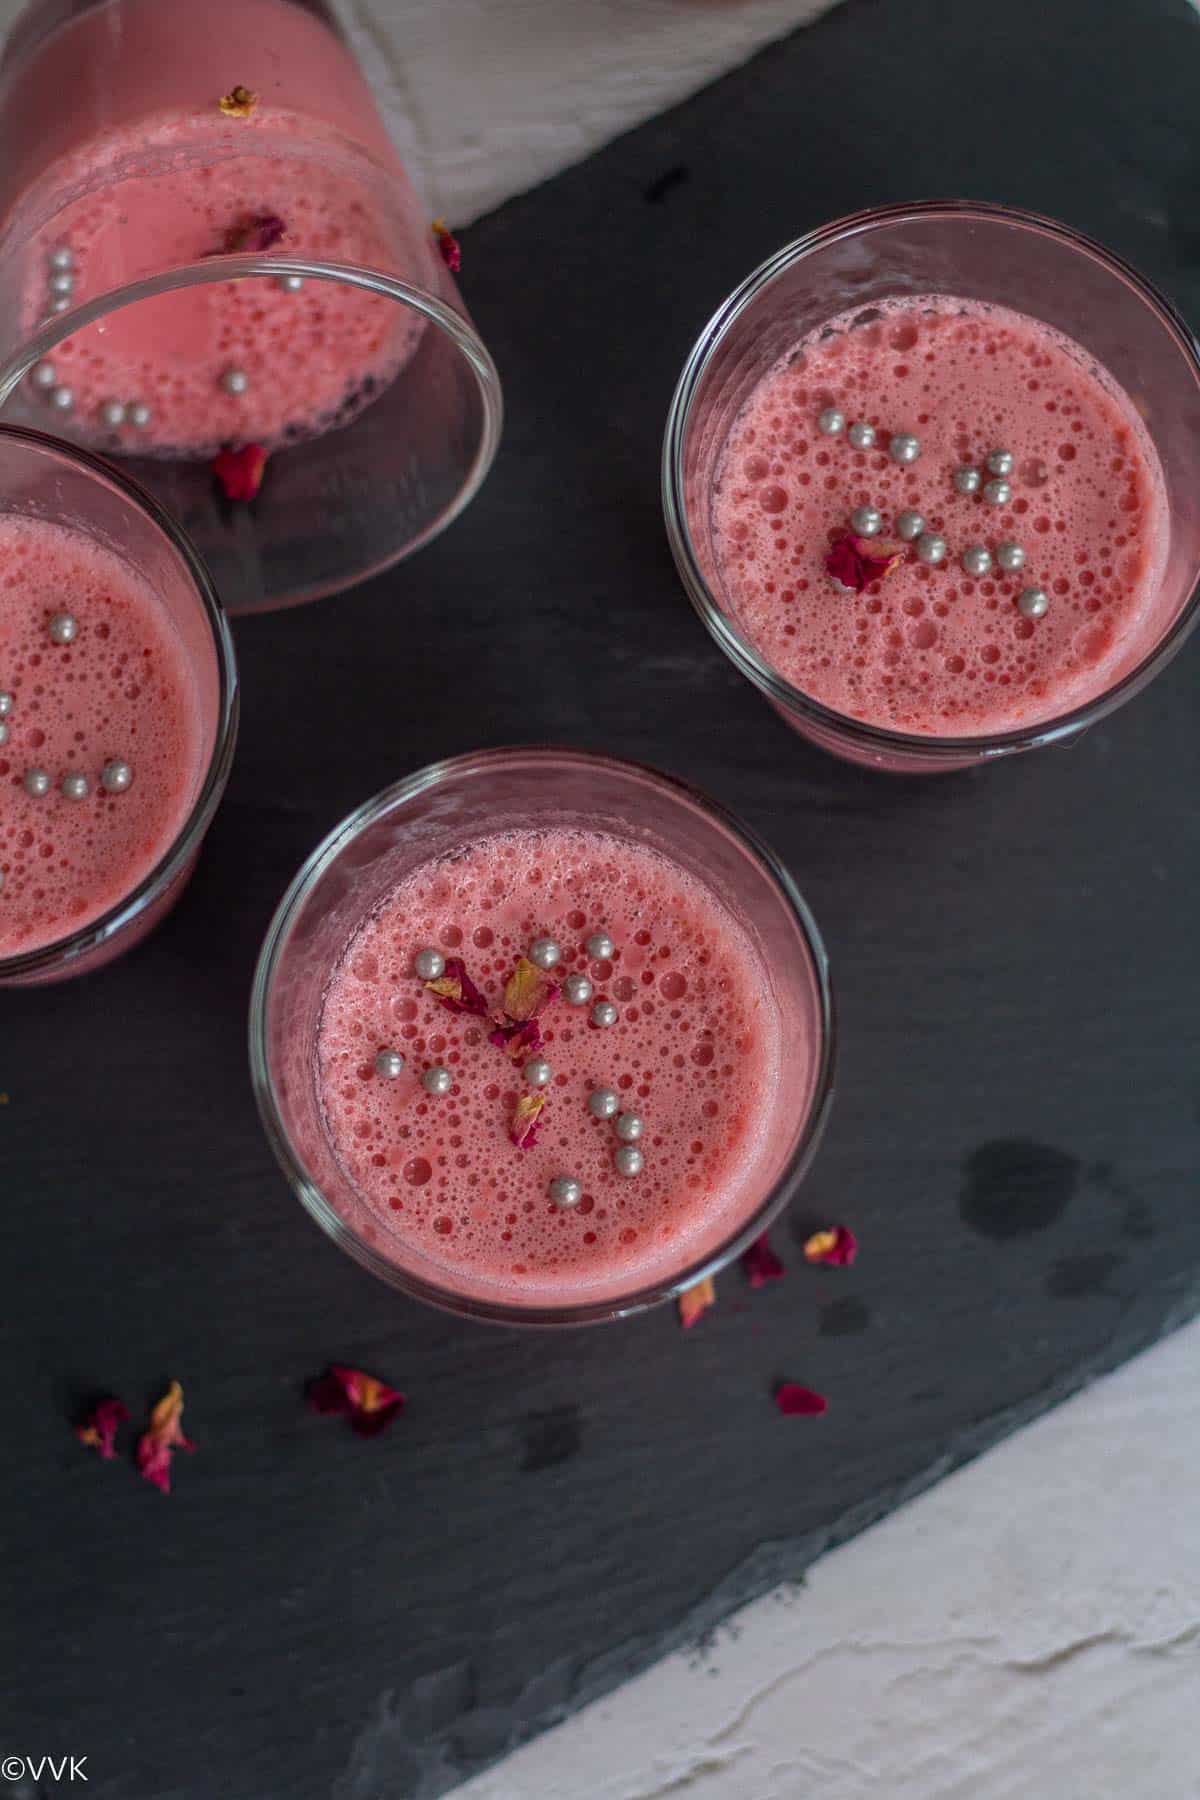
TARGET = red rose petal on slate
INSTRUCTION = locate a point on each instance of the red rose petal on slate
(369, 1404)
(797, 1402)
(449, 248)
(836, 1245)
(240, 472)
(761, 1263)
(163, 1436)
(99, 1429)
(695, 1301)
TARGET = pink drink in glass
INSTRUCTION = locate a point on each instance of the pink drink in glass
(932, 647)
(164, 179)
(694, 1053)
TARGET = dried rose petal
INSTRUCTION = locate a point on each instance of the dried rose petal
(837, 1245)
(448, 246)
(260, 232)
(527, 1120)
(239, 102)
(163, 1435)
(370, 1404)
(855, 562)
(797, 1402)
(455, 990)
(761, 1263)
(528, 991)
(99, 1429)
(520, 1041)
(695, 1301)
(240, 472)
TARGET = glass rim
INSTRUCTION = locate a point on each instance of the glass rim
(65, 950)
(721, 627)
(445, 1296)
(244, 266)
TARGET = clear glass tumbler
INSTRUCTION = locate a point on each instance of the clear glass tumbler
(993, 254)
(439, 811)
(208, 244)
(43, 480)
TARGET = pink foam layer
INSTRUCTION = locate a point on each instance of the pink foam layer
(932, 649)
(123, 689)
(695, 1051)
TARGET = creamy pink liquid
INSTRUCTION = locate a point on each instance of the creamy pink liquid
(165, 177)
(124, 689)
(935, 650)
(695, 1051)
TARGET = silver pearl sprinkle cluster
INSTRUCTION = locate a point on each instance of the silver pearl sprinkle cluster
(997, 491)
(113, 414)
(116, 777)
(604, 1104)
(903, 446)
(60, 278)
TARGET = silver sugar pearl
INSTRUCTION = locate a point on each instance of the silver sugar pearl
(909, 525)
(904, 447)
(1010, 556)
(291, 284)
(389, 1064)
(62, 257)
(62, 282)
(3, 733)
(437, 1080)
(867, 521)
(967, 480)
(578, 990)
(36, 783)
(566, 1191)
(629, 1127)
(604, 1013)
(603, 1102)
(997, 492)
(61, 305)
(112, 414)
(140, 414)
(63, 398)
(599, 946)
(832, 421)
(931, 548)
(861, 435)
(1034, 602)
(545, 952)
(537, 1072)
(628, 1160)
(116, 776)
(235, 381)
(1000, 462)
(75, 786)
(63, 628)
(42, 375)
(976, 559)
(6, 705)
(430, 965)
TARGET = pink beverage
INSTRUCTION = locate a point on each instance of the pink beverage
(1044, 592)
(164, 178)
(105, 746)
(654, 1129)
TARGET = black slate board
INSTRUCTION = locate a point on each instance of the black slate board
(1015, 1137)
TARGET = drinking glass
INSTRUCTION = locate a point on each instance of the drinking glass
(992, 254)
(440, 811)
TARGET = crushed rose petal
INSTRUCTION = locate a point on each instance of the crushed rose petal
(796, 1402)
(761, 1263)
(837, 1245)
(99, 1429)
(528, 991)
(240, 472)
(527, 1120)
(163, 1435)
(239, 102)
(455, 990)
(520, 1041)
(260, 232)
(448, 245)
(855, 562)
(370, 1404)
(695, 1301)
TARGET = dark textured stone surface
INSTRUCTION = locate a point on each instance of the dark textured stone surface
(310, 1615)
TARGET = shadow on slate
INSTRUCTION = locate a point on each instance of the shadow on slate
(312, 1616)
